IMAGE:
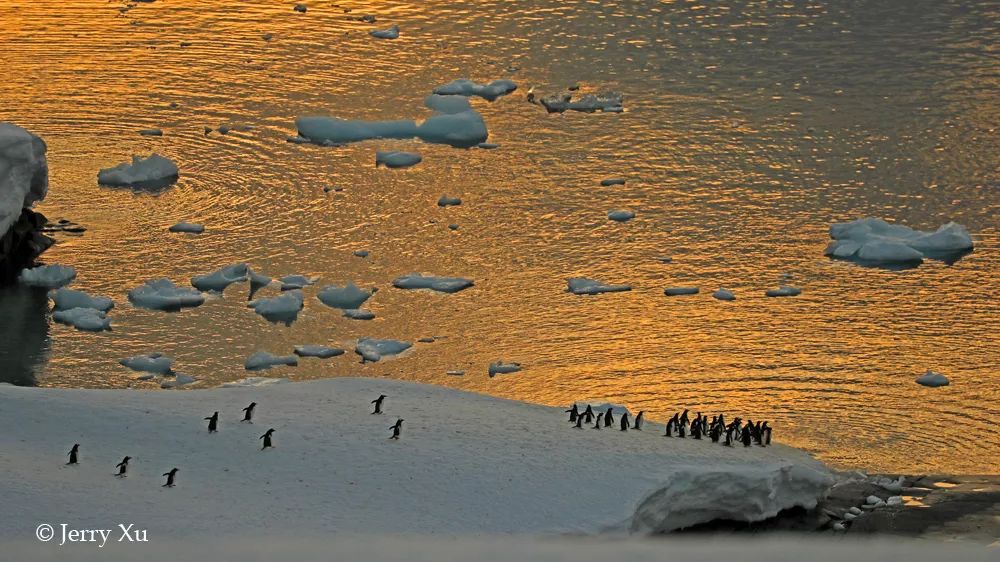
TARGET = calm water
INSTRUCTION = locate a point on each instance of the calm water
(749, 128)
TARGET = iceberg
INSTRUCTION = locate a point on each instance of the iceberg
(610, 102)
(584, 286)
(88, 319)
(218, 280)
(621, 215)
(373, 350)
(347, 297)
(156, 363)
(263, 360)
(24, 173)
(489, 92)
(162, 294)
(320, 351)
(66, 299)
(932, 379)
(48, 276)
(501, 368)
(152, 172)
(188, 227)
(396, 159)
(677, 291)
(389, 33)
(440, 284)
(282, 308)
(872, 241)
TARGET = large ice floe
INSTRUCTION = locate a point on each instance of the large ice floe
(454, 122)
(162, 294)
(24, 173)
(872, 241)
(374, 349)
(320, 479)
(87, 319)
(263, 360)
(218, 280)
(584, 286)
(434, 283)
(283, 308)
(153, 171)
(465, 87)
(65, 299)
(155, 363)
(48, 276)
(346, 297)
(609, 102)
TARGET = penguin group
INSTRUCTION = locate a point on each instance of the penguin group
(681, 425)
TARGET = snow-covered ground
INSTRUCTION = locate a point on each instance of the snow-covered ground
(465, 464)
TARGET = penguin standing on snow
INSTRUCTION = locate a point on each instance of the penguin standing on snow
(745, 437)
(715, 433)
(588, 414)
(72, 454)
(122, 467)
(267, 439)
(684, 418)
(696, 430)
(670, 428)
(597, 423)
(579, 422)
(624, 421)
(573, 413)
(638, 420)
(767, 434)
(378, 404)
(680, 430)
(248, 412)
(213, 422)
(396, 428)
(170, 478)
(729, 436)
(608, 419)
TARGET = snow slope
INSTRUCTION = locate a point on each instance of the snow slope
(466, 464)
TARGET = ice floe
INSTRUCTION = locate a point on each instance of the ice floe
(156, 363)
(358, 314)
(610, 102)
(932, 379)
(300, 8)
(501, 368)
(162, 294)
(612, 181)
(487, 145)
(151, 132)
(465, 87)
(48, 276)
(373, 349)
(446, 201)
(153, 171)
(621, 215)
(263, 360)
(396, 159)
(346, 297)
(65, 299)
(282, 308)
(724, 295)
(88, 319)
(291, 282)
(391, 32)
(677, 291)
(179, 380)
(218, 280)
(188, 227)
(361, 253)
(257, 281)
(876, 242)
(783, 291)
(584, 286)
(434, 283)
(321, 351)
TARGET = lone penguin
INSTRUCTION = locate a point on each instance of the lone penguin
(573, 412)
(638, 420)
(745, 437)
(624, 421)
(597, 422)
(396, 428)
(72, 454)
(378, 404)
(213, 422)
(608, 418)
(122, 467)
(267, 439)
(170, 478)
(588, 414)
(248, 412)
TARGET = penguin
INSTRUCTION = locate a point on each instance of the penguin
(670, 426)
(696, 430)
(122, 467)
(624, 421)
(170, 478)
(588, 414)
(722, 422)
(714, 433)
(758, 436)
(608, 418)
(767, 434)
(745, 437)
(573, 413)
(213, 422)
(378, 404)
(579, 422)
(684, 418)
(72, 454)
(597, 423)
(680, 431)
(638, 420)
(396, 428)
(248, 412)
(729, 435)
(267, 439)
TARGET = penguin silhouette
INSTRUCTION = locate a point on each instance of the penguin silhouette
(758, 435)
(378, 404)
(72, 454)
(248, 412)
(624, 421)
(670, 427)
(680, 431)
(696, 430)
(170, 478)
(396, 428)
(767, 434)
(122, 467)
(715, 433)
(213, 422)
(729, 435)
(684, 418)
(608, 418)
(597, 422)
(267, 439)
(579, 422)
(573, 413)
(588, 414)
(638, 420)
(745, 437)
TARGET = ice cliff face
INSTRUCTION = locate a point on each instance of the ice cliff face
(24, 180)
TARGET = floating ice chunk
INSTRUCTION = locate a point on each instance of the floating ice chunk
(455, 373)
(291, 282)
(179, 380)
(300, 8)
(396, 159)
(66, 299)
(838, 526)
(894, 500)
(664, 259)
(463, 129)
(282, 308)
(784, 291)
(453, 226)
(489, 92)
(257, 281)
(676, 291)
(320, 351)
(151, 132)
(446, 201)
(24, 173)
(154, 171)
(608, 102)
(440, 284)
(373, 350)
(48, 276)
(487, 145)
(724, 295)
(338, 131)
(621, 215)
(390, 33)
(88, 319)
(162, 294)
(263, 360)
(361, 253)
(447, 104)
(613, 181)
(346, 297)
(188, 227)
(253, 382)
(501, 368)
(218, 280)
(584, 286)
(155, 363)
(358, 314)
(932, 379)
(875, 241)
(296, 139)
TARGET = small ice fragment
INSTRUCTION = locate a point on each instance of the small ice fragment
(465, 87)
(621, 215)
(48, 276)
(66, 299)
(373, 350)
(179, 380)
(932, 379)
(361, 253)
(440, 284)
(188, 227)
(487, 145)
(610, 102)
(446, 201)
(501, 368)
(664, 259)
(784, 291)
(872, 500)
(838, 526)
(296, 139)
(267, 36)
(455, 373)
(291, 282)
(224, 129)
(162, 294)
(358, 314)
(346, 297)
(396, 159)
(453, 226)
(87, 319)
(676, 291)
(300, 8)
(156, 363)
(613, 181)
(218, 280)
(390, 33)
(724, 295)
(427, 340)
(263, 360)
(584, 286)
(282, 308)
(849, 516)
(151, 133)
(320, 351)
(154, 171)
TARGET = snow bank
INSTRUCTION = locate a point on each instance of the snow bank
(162, 294)
(875, 241)
(65, 299)
(321, 351)
(373, 350)
(440, 284)
(156, 363)
(218, 280)
(610, 102)
(584, 286)
(489, 92)
(153, 171)
(390, 33)
(348, 296)
(396, 159)
(87, 319)
(48, 276)
(188, 227)
(932, 379)
(282, 308)
(263, 360)
(24, 173)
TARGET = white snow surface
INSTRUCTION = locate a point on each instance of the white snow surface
(876, 241)
(65, 299)
(513, 468)
(162, 294)
(49, 276)
(141, 171)
(465, 87)
(434, 283)
(584, 286)
(932, 379)
(24, 172)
